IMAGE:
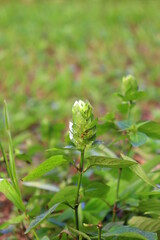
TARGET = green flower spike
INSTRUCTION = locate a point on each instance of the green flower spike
(82, 130)
(129, 87)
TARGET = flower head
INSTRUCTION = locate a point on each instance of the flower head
(129, 87)
(83, 128)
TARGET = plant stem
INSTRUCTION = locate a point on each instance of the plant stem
(117, 195)
(129, 109)
(120, 169)
(118, 183)
(35, 234)
(99, 233)
(78, 189)
(99, 226)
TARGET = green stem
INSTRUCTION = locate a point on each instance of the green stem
(35, 234)
(118, 183)
(129, 110)
(78, 189)
(99, 226)
(99, 233)
(117, 195)
(120, 169)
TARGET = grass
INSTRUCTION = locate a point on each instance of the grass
(54, 52)
(60, 50)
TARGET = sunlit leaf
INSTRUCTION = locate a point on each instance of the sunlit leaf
(151, 129)
(45, 167)
(103, 161)
(138, 170)
(145, 223)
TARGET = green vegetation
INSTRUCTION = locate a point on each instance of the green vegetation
(95, 176)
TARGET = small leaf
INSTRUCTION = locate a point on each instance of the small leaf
(39, 219)
(8, 190)
(24, 157)
(123, 125)
(138, 170)
(134, 96)
(45, 167)
(97, 190)
(145, 224)
(151, 129)
(137, 139)
(79, 233)
(67, 194)
(12, 221)
(103, 161)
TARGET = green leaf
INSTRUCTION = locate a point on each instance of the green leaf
(13, 221)
(6, 116)
(145, 223)
(39, 219)
(8, 190)
(134, 96)
(103, 128)
(150, 205)
(151, 129)
(103, 161)
(24, 157)
(6, 160)
(123, 125)
(96, 190)
(45, 167)
(123, 107)
(138, 170)
(11, 164)
(155, 192)
(67, 194)
(79, 233)
(128, 233)
(137, 139)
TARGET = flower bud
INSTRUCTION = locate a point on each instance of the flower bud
(82, 130)
(129, 85)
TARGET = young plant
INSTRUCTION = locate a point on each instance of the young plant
(10, 188)
(90, 204)
(82, 132)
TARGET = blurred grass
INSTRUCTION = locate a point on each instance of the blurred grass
(53, 52)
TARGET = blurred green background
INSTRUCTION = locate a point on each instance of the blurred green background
(54, 52)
